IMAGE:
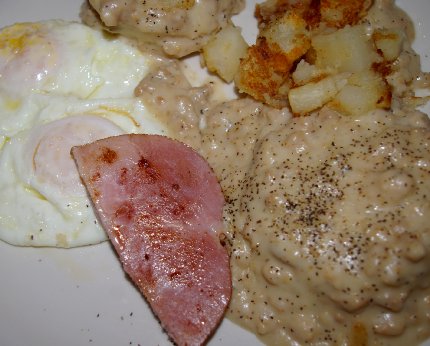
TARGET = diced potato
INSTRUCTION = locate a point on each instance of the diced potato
(389, 43)
(290, 33)
(223, 52)
(338, 13)
(267, 10)
(305, 73)
(348, 50)
(339, 63)
(311, 96)
(264, 72)
(365, 91)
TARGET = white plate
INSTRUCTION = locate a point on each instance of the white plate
(81, 296)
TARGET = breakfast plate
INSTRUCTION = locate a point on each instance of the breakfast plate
(81, 296)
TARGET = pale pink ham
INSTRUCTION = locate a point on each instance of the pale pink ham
(161, 205)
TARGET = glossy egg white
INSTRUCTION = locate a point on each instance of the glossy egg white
(61, 84)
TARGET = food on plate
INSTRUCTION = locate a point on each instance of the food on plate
(325, 215)
(329, 237)
(264, 71)
(223, 52)
(61, 84)
(352, 56)
(168, 93)
(161, 205)
(179, 27)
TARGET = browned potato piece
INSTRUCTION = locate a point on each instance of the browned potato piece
(389, 43)
(316, 53)
(314, 95)
(264, 71)
(365, 91)
(223, 52)
(348, 49)
(338, 13)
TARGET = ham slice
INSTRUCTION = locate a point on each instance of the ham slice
(161, 206)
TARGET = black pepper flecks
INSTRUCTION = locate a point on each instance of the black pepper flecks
(317, 209)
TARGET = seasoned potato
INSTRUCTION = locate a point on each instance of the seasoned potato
(259, 74)
(223, 52)
(311, 96)
(264, 71)
(338, 13)
(347, 50)
(305, 73)
(389, 43)
(314, 53)
(290, 33)
(365, 91)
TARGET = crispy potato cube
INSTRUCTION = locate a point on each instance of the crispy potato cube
(290, 33)
(264, 72)
(259, 74)
(305, 73)
(311, 96)
(338, 13)
(223, 52)
(365, 91)
(347, 50)
(389, 42)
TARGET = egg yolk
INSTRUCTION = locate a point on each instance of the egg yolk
(52, 165)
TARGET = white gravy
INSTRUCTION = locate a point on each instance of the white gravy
(327, 215)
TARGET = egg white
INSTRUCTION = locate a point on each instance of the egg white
(72, 85)
(62, 58)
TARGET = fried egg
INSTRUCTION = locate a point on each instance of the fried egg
(61, 84)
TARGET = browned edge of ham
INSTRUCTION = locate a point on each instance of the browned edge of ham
(161, 206)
